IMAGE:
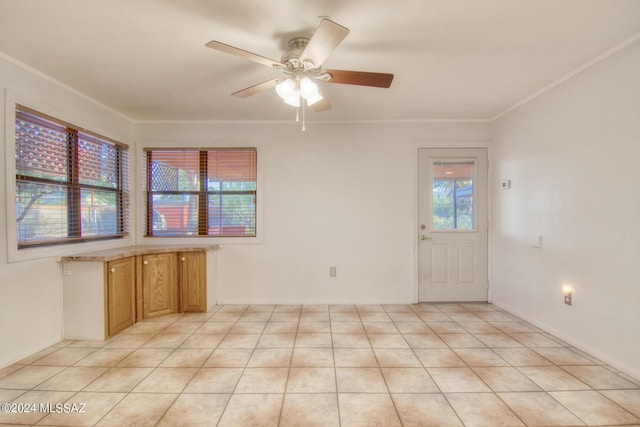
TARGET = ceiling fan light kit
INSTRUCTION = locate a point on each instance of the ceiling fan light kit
(302, 63)
(291, 91)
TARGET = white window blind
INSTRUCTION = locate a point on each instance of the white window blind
(71, 184)
(201, 192)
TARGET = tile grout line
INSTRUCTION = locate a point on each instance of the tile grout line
(226, 406)
(444, 395)
(470, 365)
(393, 402)
(286, 384)
(546, 392)
(169, 406)
(129, 393)
(335, 370)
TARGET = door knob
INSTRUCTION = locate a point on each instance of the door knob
(113, 269)
(145, 262)
(184, 258)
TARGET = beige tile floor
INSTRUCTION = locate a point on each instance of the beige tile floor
(323, 365)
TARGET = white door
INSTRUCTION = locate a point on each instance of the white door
(452, 224)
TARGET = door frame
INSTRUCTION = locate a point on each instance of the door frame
(416, 218)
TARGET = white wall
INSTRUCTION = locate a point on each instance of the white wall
(345, 195)
(572, 157)
(31, 291)
(340, 195)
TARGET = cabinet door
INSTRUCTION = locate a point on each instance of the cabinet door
(159, 284)
(193, 281)
(120, 299)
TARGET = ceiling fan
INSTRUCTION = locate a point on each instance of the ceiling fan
(302, 64)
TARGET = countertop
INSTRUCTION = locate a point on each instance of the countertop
(127, 251)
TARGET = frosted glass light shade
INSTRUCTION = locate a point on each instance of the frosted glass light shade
(308, 89)
(286, 88)
(293, 99)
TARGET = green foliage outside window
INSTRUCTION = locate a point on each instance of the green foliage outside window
(453, 205)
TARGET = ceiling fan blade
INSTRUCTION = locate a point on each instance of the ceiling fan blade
(243, 54)
(321, 105)
(326, 38)
(260, 87)
(361, 78)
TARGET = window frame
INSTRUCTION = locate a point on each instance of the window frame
(144, 206)
(13, 101)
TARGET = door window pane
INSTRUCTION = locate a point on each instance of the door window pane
(453, 195)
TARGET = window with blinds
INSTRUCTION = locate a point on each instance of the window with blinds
(71, 184)
(201, 192)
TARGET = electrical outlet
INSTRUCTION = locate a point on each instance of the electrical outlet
(66, 269)
(332, 272)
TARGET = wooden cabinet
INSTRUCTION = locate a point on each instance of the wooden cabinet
(192, 267)
(120, 295)
(106, 292)
(159, 284)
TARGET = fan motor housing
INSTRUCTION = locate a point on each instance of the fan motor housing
(292, 56)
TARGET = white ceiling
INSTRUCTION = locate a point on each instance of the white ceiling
(452, 59)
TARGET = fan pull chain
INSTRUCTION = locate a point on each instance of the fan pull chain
(303, 121)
